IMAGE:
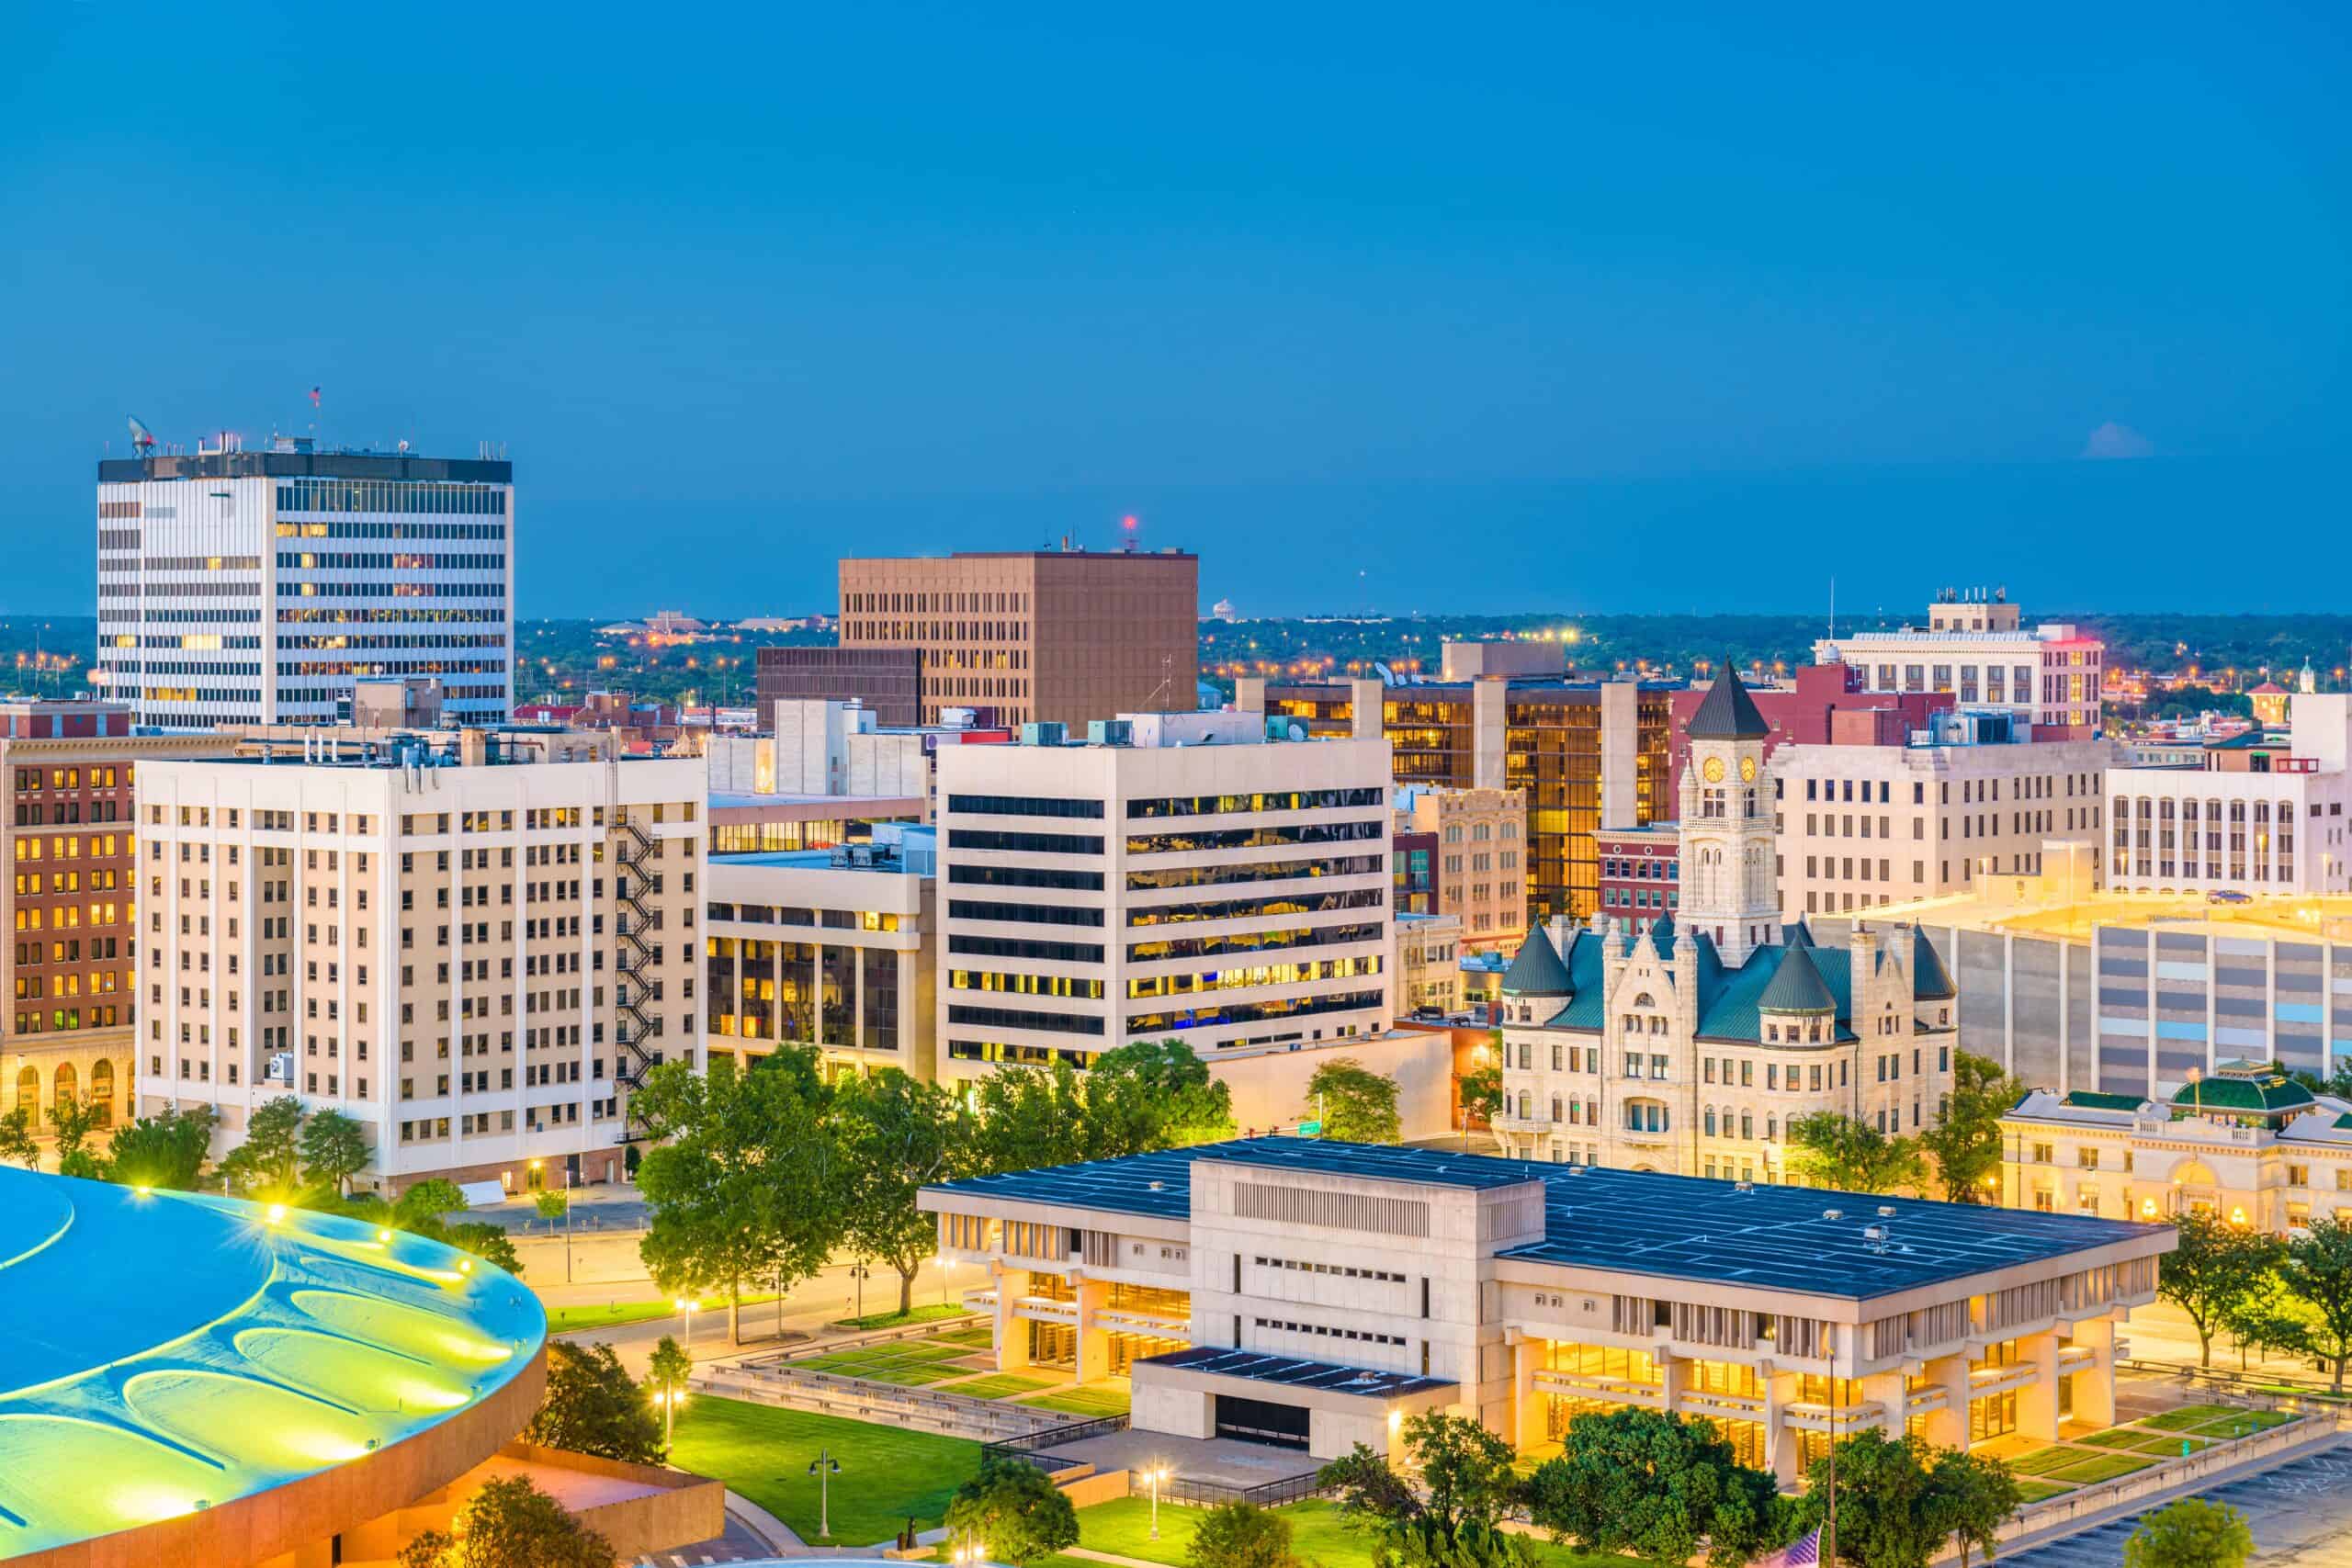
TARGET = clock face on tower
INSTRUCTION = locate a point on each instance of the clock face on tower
(1713, 770)
(1747, 770)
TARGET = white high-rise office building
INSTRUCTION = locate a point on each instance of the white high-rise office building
(1180, 877)
(254, 587)
(474, 944)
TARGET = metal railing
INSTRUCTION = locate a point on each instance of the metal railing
(1265, 1495)
(1028, 1444)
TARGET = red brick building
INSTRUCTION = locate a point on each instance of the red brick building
(1800, 712)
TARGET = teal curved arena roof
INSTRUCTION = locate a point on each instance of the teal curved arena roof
(165, 1352)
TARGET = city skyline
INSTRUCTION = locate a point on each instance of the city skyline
(1299, 282)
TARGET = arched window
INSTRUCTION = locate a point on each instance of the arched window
(1771, 1128)
(29, 1092)
(1645, 1116)
(1643, 1000)
(102, 1091)
(64, 1084)
(1526, 1105)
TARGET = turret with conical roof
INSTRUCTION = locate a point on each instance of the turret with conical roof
(1537, 970)
(1729, 712)
(1797, 988)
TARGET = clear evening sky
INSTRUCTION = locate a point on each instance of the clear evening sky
(1503, 308)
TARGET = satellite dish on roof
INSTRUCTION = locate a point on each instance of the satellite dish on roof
(1297, 731)
(142, 440)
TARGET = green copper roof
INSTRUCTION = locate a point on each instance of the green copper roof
(1798, 935)
(1797, 987)
(2092, 1099)
(1662, 935)
(1930, 981)
(2272, 1091)
(1728, 714)
(1537, 971)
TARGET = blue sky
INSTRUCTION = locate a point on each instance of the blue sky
(1500, 308)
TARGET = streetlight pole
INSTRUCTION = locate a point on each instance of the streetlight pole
(940, 1263)
(824, 1467)
(1156, 1475)
(688, 1307)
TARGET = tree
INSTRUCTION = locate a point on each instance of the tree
(333, 1150)
(2213, 1270)
(748, 1183)
(1015, 1510)
(594, 1406)
(270, 1159)
(1966, 1143)
(1481, 1089)
(1240, 1535)
(1027, 1117)
(2190, 1533)
(1147, 1095)
(897, 1135)
(2317, 1279)
(1885, 1520)
(552, 1204)
(163, 1151)
(510, 1523)
(1453, 1519)
(1354, 1103)
(1828, 1149)
(1657, 1485)
(72, 1121)
(423, 1210)
(1970, 1497)
(16, 1144)
(667, 1371)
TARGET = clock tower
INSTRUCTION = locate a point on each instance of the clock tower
(1730, 890)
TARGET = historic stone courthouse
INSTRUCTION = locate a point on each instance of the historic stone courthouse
(1692, 1046)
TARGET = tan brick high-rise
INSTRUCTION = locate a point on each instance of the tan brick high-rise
(1056, 634)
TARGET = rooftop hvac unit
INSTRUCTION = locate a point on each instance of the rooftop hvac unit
(1110, 732)
(1043, 732)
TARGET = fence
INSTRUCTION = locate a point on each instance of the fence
(950, 1415)
(1030, 1445)
(1266, 1494)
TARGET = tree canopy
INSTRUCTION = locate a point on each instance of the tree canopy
(1240, 1535)
(1657, 1485)
(1013, 1510)
(2212, 1271)
(270, 1158)
(2316, 1276)
(1829, 1149)
(2190, 1533)
(510, 1523)
(594, 1406)
(1353, 1102)
(897, 1135)
(1966, 1145)
(165, 1151)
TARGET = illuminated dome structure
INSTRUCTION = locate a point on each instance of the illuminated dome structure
(192, 1378)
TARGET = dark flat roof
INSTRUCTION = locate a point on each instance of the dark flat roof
(1637, 1222)
(1291, 1373)
(304, 465)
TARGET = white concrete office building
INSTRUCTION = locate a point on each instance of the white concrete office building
(1979, 650)
(1182, 877)
(472, 944)
(254, 587)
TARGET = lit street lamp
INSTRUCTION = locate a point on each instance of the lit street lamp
(670, 1399)
(824, 1467)
(1156, 1475)
(688, 1308)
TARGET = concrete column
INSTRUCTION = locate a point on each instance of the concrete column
(1947, 1427)
(1093, 1341)
(1011, 1333)
(1489, 694)
(1780, 1442)
(1249, 693)
(1673, 1376)
(2038, 1401)
(2095, 1384)
(1620, 752)
(1885, 1389)
(1526, 1403)
(1367, 702)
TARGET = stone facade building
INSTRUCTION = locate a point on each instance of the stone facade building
(1692, 1046)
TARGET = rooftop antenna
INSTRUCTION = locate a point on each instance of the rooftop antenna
(1130, 532)
(1833, 609)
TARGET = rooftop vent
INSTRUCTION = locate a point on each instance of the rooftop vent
(1887, 1211)
(1832, 1215)
(1743, 1187)
(1158, 1186)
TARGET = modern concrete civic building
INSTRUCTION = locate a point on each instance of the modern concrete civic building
(1310, 1294)
(240, 587)
(1180, 877)
(1065, 635)
(472, 944)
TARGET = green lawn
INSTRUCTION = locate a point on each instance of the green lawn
(2189, 1415)
(764, 1453)
(2087, 1469)
(1087, 1404)
(1316, 1534)
(2031, 1492)
(2242, 1423)
(2041, 1462)
(1000, 1385)
(932, 1314)
(978, 1339)
(573, 1319)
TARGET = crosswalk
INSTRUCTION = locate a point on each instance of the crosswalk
(2300, 1513)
